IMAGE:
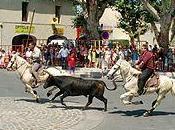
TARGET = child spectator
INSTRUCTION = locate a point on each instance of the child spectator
(71, 63)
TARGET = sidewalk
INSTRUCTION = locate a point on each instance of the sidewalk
(169, 74)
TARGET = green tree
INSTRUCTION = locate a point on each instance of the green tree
(163, 13)
(90, 12)
(131, 20)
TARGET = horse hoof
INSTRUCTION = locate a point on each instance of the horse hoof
(127, 102)
(84, 108)
(146, 114)
(37, 100)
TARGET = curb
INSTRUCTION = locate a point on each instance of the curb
(84, 72)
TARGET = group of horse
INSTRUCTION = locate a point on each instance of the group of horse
(123, 68)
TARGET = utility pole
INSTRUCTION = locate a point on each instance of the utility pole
(30, 28)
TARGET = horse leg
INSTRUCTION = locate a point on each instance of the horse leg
(128, 94)
(155, 103)
(30, 90)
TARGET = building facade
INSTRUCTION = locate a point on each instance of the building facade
(16, 17)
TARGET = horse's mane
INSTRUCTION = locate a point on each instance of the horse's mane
(132, 70)
(22, 59)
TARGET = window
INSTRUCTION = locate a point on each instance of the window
(24, 11)
(57, 12)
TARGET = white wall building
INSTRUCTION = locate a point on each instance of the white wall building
(110, 20)
(16, 15)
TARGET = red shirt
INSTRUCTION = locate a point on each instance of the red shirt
(71, 61)
(148, 59)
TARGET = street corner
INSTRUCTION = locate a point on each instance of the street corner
(23, 113)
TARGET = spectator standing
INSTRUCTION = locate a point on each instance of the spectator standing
(2, 65)
(121, 53)
(71, 63)
(134, 56)
(98, 55)
(64, 52)
(94, 60)
(28, 55)
(108, 55)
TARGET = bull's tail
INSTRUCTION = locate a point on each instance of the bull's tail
(115, 86)
(173, 88)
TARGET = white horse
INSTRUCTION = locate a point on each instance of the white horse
(130, 77)
(24, 70)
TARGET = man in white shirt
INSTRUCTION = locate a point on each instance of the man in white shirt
(36, 59)
(64, 52)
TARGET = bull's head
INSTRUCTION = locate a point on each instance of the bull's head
(50, 81)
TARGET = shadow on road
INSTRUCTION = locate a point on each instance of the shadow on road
(77, 107)
(138, 113)
(42, 100)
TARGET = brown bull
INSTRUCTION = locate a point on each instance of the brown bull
(74, 86)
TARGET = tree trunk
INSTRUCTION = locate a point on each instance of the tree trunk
(94, 13)
(92, 27)
(165, 24)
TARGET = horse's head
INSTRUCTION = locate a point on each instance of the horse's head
(12, 64)
(114, 69)
(16, 62)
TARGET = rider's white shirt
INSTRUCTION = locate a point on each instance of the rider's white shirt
(36, 52)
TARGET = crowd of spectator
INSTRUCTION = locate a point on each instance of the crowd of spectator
(83, 55)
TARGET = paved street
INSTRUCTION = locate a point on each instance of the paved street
(20, 112)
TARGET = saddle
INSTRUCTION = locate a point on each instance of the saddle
(153, 81)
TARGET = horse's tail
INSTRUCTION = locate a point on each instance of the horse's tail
(173, 88)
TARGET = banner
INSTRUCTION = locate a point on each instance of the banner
(23, 29)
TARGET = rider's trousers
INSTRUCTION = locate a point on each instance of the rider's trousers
(146, 73)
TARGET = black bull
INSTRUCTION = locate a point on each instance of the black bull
(74, 86)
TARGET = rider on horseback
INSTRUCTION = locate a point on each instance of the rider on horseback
(146, 64)
(36, 61)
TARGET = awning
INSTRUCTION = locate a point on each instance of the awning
(55, 37)
(57, 42)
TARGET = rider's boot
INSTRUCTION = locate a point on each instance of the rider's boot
(140, 87)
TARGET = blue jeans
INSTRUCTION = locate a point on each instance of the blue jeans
(145, 75)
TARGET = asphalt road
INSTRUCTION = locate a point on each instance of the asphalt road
(19, 111)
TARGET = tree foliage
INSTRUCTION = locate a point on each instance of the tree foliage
(88, 14)
(132, 17)
(163, 13)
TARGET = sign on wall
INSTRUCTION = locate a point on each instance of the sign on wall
(60, 31)
(23, 29)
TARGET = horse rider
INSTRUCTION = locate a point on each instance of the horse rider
(146, 64)
(36, 61)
